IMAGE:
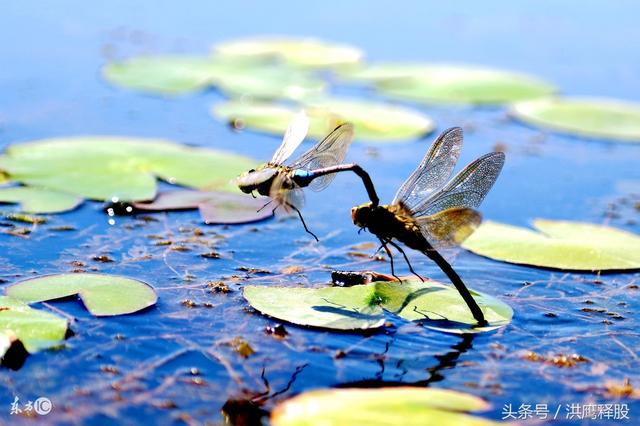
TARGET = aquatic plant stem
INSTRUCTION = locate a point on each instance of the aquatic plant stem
(458, 283)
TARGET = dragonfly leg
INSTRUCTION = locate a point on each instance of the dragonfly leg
(383, 244)
(397, 247)
(268, 202)
(302, 220)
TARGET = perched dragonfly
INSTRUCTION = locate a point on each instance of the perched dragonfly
(428, 213)
(316, 168)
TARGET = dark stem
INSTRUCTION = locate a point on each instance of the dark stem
(457, 282)
(366, 179)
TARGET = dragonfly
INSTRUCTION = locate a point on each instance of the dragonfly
(430, 212)
(316, 168)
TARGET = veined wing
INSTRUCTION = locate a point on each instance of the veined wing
(450, 227)
(433, 171)
(286, 194)
(330, 151)
(293, 137)
(467, 189)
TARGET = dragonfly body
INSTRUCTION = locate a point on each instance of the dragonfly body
(429, 211)
(316, 168)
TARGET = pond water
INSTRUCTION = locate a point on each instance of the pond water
(174, 363)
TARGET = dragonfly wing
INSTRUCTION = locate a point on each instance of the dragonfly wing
(450, 227)
(330, 151)
(467, 189)
(434, 170)
(293, 137)
(286, 194)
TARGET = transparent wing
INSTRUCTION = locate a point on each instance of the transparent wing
(450, 227)
(286, 194)
(330, 151)
(293, 137)
(467, 189)
(434, 170)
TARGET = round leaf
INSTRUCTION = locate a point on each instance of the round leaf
(386, 406)
(102, 295)
(328, 307)
(169, 75)
(432, 83)
(307, 52)
(103, 167)
(559, 244)
(37, 200)
(372, 120)
(215, 207)
(36, 329)
(590, 117)
(441, 306)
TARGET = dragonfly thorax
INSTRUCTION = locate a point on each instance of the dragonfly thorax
(259, 180)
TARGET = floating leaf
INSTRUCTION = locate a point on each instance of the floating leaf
(337, 308)
(385, 406)
(434, 83)
(102, 295)
(372, 120)
(36, 329)
(359, 306)
(103, 167)
(307, 52)
(170, 75)
(37, 200)
(590, 117)
(215, 207)
(269, 82)
(559, 244)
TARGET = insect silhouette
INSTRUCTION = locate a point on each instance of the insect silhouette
(429, 213)
(316, 168)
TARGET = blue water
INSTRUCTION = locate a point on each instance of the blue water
(128, 368)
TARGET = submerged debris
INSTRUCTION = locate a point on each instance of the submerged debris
(561, 360)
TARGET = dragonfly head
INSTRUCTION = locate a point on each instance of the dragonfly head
(256, 180)
(361, 215)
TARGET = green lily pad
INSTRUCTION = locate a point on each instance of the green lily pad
(169, 75)
(385, 406)
(372, 120)
(575, 246)
(338, 308)
(215, 207)
(306, 52)
(589, 117)
(37, 200)
(104, 167)
(102, 295)
(457, 84)
(36, 329)
(360, 306)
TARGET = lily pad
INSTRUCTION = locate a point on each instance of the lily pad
(169, 75)
(386, 406)
(36, 329)
(215, 207)
(338, 308)
(360, 306)
(102, 295)
(104, 167)
(372, 120)
(37, 200)
(457, 84)
(589, 117)
(306, 52)
(575, 246)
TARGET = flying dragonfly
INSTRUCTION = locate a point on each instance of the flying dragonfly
(429, 213)
(316, 168)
